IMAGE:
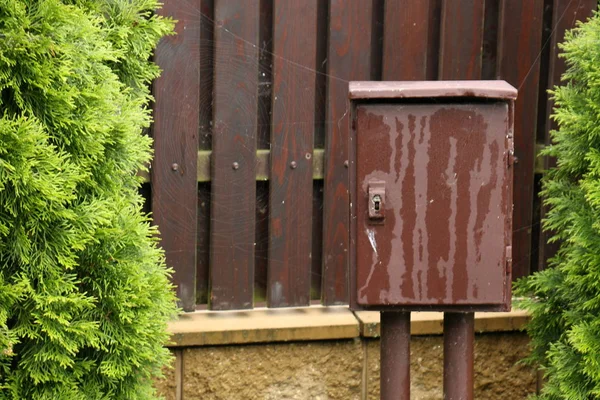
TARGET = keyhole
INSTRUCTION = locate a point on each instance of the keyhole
(377, 202)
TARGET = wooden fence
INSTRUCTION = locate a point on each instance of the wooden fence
(249, 181)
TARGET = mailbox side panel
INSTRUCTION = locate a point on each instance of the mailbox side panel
(442, 241)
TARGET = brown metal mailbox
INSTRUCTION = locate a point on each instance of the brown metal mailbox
(431, 195)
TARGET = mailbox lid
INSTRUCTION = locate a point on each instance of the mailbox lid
(377, 90)
(445, 235)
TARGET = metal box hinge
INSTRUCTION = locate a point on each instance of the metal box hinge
(508, 259)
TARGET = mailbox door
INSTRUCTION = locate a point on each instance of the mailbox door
(433, 204)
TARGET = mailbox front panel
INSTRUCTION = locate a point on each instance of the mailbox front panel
(433, 204)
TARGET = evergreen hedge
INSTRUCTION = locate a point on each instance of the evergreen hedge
(84, 292)
(565, 300)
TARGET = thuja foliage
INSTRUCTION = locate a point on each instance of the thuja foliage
(84, 292)
(565, 300)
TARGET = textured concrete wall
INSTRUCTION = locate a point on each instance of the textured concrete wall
(167, 386)
(342, 369)
(498, 373)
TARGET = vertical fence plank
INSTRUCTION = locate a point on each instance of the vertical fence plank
(565, 15)
(349, 44)
(520, 41)
(234, 154)
(406, 39)
(176, 123)
(290, 213)
(461, 40)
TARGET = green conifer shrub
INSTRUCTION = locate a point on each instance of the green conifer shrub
(565, 300)
(84, 292)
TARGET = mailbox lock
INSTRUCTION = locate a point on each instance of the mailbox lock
(377, 201)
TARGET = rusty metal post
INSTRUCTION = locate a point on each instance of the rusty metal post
(395, 355)
(459, 333)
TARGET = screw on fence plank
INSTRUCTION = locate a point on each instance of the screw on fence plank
(174, 166)
(235, 165)
(293, 165)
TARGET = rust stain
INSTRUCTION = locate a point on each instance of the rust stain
(408, 213)
(422, 203)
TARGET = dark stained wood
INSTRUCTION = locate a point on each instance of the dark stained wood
(349, 41)
(376, 52)
(461, 40)
(518, 63)
(290, 213)
(405, 23)
(319, 45)
(176, 145)
(565, 15)
(234, 154)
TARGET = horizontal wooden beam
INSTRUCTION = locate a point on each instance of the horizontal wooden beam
(260, 325)
(209, 328)
(262, 165)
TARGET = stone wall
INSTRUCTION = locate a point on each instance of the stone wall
(340, 369)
